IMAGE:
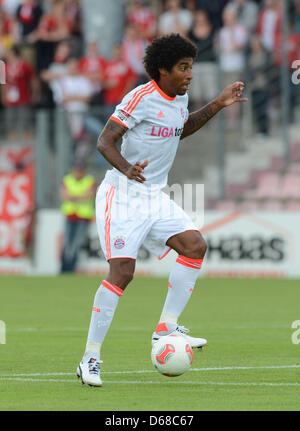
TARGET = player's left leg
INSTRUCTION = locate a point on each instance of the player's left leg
(191, 248)
(190, 244)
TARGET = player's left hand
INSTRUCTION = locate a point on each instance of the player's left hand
(231, 94)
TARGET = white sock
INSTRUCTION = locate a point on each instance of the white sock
(181, 285)
(105, 304)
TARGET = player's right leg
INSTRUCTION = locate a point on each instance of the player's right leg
(105, 303)
(191, 249)
(121, 234)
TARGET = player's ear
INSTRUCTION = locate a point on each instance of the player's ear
(163, 72)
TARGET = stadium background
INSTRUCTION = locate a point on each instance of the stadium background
(248, 159)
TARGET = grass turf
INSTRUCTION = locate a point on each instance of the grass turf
(247, 324)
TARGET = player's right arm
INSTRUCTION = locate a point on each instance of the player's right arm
(107, 146)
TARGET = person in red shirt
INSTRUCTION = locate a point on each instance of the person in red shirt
(134, 48)
(92, 66)
(143, 17)
(6, 37)
(293, 47)
(9, 34)
(18, 95)
(53, 28)
(9, 24)
(73, 15)
(28, 15)
(269, 23)
(119, 78)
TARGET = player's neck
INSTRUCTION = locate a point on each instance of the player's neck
(166, 88)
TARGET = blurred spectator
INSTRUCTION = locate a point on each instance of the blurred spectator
(10, 6)
(92, 66)
(296, 16)
(20, 91)
(232, 42)
(269, 23)
(190, 5)
(247, 12)
(205, 74)
(53, 28)
(293, 54)
(28, 15)
(119, 78)
(259, 65)
(73, 92)
(7, 39)
(57, 70)
(214, 9)
(133, 52)
(143, 17)
(73, 16)
(175, 19)
(8, 31)
(293, 47)
(77, 193)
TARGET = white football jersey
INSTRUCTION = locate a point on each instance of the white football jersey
(155, 123)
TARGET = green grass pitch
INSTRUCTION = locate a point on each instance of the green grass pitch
(250, 362)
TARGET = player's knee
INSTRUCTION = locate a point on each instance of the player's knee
(126, 277)
(123, 277)
(121, 272)
(200, 248)
(196, 249)
(203, 248)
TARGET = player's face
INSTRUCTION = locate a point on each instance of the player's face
(181, 75)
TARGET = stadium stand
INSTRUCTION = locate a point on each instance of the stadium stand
(245, 165)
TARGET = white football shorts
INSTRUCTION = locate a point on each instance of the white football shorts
(126, 220)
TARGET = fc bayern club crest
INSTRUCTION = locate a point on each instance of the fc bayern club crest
(119, 243)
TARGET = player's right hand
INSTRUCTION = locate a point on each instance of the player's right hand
(134, 172)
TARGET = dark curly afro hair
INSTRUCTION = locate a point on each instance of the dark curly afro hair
(164, 52)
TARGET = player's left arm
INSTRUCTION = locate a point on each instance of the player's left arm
(231, 94)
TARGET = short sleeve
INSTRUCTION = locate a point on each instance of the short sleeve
(131, 111)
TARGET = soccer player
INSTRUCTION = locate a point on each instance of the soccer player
(131, 209)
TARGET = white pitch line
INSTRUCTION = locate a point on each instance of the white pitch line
(84, 329)
(20, 379)
(154, 371)
(264, 367)
(45, 329)
(36, 374)
(137, 382)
